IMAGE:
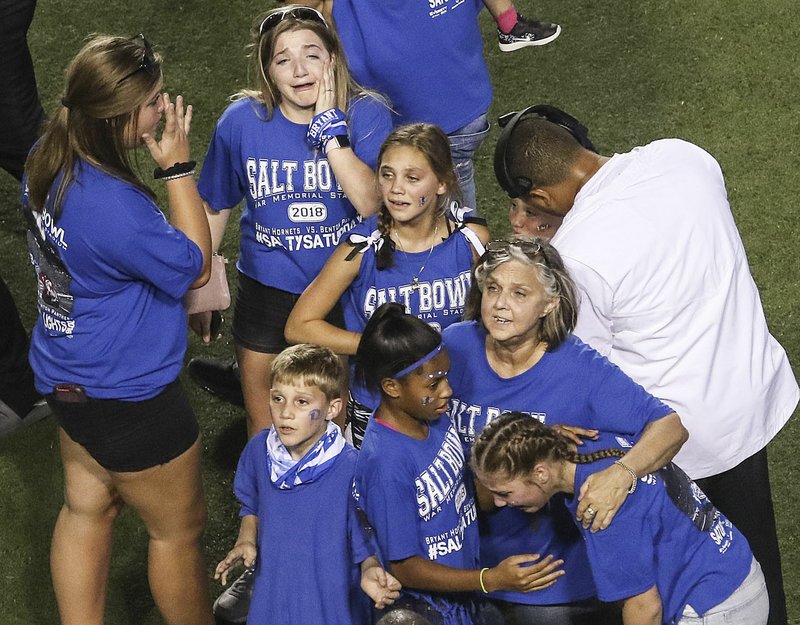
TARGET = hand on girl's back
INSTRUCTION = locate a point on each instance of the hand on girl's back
(520, 574)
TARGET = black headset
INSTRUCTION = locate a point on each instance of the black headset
(517, 186)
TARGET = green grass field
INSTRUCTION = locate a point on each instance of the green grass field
(724, 75)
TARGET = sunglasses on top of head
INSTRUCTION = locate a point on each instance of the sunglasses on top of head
(147, 62)
(502, 246)
(298, 13)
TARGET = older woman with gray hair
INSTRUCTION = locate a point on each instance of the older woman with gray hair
(516, 352)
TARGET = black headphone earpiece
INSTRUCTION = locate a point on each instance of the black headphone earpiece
(517, 186)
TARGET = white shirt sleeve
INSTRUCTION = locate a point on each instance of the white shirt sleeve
(595, 313)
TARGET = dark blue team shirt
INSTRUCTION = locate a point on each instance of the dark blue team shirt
(666, 534)
(438, 298)
(295, 213)
(416, 497)
(434, 72)
(116, 324)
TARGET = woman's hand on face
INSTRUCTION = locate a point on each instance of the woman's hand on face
(601, 495)
(326, 96)
(174, 144)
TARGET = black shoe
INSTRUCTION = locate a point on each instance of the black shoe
(233, 605)
(218, 379)
(527, 32)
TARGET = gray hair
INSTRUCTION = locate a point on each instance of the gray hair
(553, 277)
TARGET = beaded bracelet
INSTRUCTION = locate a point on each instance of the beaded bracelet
(176, 176)
(177, 170)
(635, 477)
(483, 587)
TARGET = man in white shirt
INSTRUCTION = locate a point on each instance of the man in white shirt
(667, 295)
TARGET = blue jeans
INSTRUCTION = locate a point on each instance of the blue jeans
(464, 142)
(748, 605)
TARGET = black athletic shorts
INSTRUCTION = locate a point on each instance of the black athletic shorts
(126, 436)
(260, 316)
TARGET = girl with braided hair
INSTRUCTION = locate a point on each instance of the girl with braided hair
(418, 251)
(669, 556)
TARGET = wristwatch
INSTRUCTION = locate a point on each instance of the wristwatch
(336, 142)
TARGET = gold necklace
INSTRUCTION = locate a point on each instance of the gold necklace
(415, 279)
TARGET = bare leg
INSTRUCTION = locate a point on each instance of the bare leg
(169, 499)
(497, 7)
(81, 548)
(254, 368)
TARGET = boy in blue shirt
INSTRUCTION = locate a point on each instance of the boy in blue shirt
(299, 527)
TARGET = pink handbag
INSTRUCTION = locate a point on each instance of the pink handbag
(214, 294)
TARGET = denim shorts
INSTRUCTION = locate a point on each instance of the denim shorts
(748, 605)
(260, 316)
(125, 436)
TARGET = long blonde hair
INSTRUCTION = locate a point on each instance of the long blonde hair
(262, 48)
(103, 93)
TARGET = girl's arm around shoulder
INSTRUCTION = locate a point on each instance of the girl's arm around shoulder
(515, 573)
(306, 323)
(643, 609)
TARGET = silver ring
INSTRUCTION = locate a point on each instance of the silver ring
(590, 511)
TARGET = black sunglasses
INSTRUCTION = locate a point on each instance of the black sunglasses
(298, 13)
(147, 62)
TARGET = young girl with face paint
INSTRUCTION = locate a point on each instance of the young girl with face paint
(669, 556)
(410, 478)
(418, 251)
(299, 151)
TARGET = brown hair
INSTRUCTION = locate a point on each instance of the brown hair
(96, 118)
(511, 445)
(551, 273)
(432, 143)
(310, 365)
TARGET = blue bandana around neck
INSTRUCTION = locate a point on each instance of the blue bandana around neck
(286, 472)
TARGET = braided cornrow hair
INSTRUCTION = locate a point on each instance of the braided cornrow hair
(514, 443)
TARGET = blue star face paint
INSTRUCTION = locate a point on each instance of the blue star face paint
(315, 414)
